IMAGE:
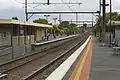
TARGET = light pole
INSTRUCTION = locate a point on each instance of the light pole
(55, 19)
(47, 17)
(46, 29)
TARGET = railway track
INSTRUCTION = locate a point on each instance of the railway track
(43, 72)
(5, 67)
(35, 63)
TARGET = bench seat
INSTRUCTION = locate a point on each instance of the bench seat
(116, 50)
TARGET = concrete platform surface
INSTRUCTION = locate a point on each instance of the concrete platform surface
(104, 65)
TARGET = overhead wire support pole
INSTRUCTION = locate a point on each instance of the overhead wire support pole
(103, 20)
(100, 7)
(26, 14)
(110, 20)
(99, 17)
(92, 23)
(48, 2)
(26, 20)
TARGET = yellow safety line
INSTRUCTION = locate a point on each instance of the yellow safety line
(77, 76)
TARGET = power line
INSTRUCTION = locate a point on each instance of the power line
(52, 3)
(18, 1)
(67, 5)
(65, 12)
(28, 5)
(38, 4)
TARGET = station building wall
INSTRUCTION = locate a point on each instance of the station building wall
(40, 34)
(23, 37)
(5, 36)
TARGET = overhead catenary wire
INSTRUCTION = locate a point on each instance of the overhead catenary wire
(34, 7)
(67, 5)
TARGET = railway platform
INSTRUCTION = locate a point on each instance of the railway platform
(105, 65)
(90, 62)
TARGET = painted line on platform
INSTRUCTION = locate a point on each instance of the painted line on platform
(76, 74)
(60, 72)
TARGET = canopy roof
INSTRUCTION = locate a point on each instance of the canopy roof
(114, 23)
(19, 22)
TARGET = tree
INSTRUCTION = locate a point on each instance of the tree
(15, 18)
(115, 17)
(64, 24)
(72, 25)
(42, 21)
(69, 29)
(58, 30)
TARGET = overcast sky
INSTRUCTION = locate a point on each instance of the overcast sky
(10, 8)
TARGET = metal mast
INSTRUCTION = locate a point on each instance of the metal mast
(26, 14)
(103, 21)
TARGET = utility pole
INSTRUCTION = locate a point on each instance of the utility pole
(110, 20)
(103, 21)
(26, 14)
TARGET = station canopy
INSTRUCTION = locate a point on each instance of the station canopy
(19, 22)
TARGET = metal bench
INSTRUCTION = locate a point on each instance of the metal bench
(116, 48)
(3, 76)
(116, 51)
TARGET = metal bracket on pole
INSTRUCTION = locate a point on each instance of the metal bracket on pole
(30, 16)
